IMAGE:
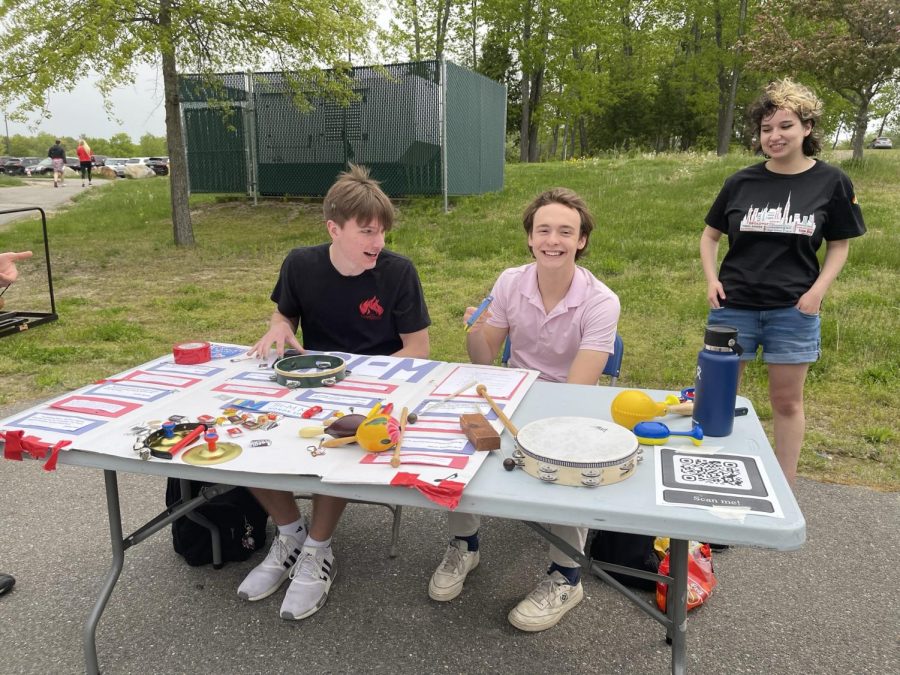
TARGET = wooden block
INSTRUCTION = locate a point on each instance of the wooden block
(479, 431)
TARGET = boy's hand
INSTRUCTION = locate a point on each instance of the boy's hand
(279, 335)
(485, 315)
(8, 271)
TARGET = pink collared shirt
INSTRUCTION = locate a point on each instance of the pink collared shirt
(585, 318)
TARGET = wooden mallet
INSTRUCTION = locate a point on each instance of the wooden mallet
(510, 427)
(395, 460)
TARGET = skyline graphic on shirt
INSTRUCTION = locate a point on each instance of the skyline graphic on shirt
(778, 220)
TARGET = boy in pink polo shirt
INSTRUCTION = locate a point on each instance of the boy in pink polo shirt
(561, 320)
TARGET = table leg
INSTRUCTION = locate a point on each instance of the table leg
(676, 603)
(118, 559)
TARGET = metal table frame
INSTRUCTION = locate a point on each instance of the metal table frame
(495, 492)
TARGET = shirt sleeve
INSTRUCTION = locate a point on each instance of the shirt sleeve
(845, 219)
(283, 294)
(411, 312)
(716, 217)
(499, 307)
(600, 322)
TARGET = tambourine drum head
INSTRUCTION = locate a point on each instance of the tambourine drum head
(577, 451)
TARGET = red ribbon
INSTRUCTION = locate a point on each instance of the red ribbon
(16, 443)
(50, 465)
(446, 493)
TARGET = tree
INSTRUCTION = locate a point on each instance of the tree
(850, 46)
(44, 42)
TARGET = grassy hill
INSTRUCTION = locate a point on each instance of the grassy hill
(125, 294)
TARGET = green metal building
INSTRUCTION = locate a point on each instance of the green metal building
(429, 127)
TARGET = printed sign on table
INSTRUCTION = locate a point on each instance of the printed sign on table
(710, 481)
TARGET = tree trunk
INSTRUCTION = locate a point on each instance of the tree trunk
(554, 141)
(442, 18)
(859, 127)
(726, 112)
(537, 84)
(178, 177)
(525, 91)
(417, 33)
(582, 135)
(524, 84)
(474, 34)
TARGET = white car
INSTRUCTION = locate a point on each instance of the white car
(117, 164)
(881, 143)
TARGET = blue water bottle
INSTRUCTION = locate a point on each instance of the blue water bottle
(715, 388)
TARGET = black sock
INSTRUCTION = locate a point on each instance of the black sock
(471, 541)
(573, 574)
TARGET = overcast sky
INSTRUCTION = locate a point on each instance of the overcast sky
(138, 110)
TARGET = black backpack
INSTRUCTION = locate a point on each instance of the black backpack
(239, 517)
(628, 550)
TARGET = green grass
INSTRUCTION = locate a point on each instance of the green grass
(125, 294)
(9, 181)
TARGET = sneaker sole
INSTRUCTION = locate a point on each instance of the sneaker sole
(266, 594)
(290, 617)
(440, 595)
(522, 623)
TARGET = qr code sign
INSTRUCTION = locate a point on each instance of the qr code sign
(705, 471)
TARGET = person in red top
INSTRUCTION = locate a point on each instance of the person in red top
(86, 157)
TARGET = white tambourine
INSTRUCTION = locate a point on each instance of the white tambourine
(577, 451)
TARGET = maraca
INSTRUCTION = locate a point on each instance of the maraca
(376, 433)
(657, 433)
(341, 427)
(632, 406)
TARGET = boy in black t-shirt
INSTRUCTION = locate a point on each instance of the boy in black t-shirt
(351, 295)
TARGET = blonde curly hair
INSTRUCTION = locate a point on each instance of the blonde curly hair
(785, 94)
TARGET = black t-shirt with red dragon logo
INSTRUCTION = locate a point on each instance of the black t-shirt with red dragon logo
(363, 314)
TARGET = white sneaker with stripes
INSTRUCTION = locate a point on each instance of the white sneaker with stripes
(310, 582)
(271, 573)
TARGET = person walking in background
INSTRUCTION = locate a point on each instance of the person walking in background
(57, 154)
(770, 287)
(86, 157)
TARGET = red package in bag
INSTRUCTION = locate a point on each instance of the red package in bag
(701, 579)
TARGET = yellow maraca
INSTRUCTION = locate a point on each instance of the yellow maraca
(632, 406)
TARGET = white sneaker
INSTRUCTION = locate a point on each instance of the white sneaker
(310, 581)
(267, 577)
(448, 579)
(546, 604)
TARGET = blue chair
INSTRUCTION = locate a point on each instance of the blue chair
(613, 363)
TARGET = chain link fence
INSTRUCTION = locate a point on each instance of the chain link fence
(424, 128)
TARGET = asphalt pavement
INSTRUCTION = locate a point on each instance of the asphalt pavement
(40, 192)
(830, 607)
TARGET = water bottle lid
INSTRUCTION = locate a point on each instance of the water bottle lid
(720, 336)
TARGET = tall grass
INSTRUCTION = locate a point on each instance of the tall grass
(125, 293)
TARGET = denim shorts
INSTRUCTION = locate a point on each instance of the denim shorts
(786, 335)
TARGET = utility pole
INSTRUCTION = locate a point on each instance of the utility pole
(6, 124)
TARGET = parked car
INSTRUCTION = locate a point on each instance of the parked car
(881, 143)
(99, 160)
(160, 165)
(17, 167)
(117, 164)
(45, 166)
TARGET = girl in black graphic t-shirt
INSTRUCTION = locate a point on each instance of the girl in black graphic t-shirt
(769, 286)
